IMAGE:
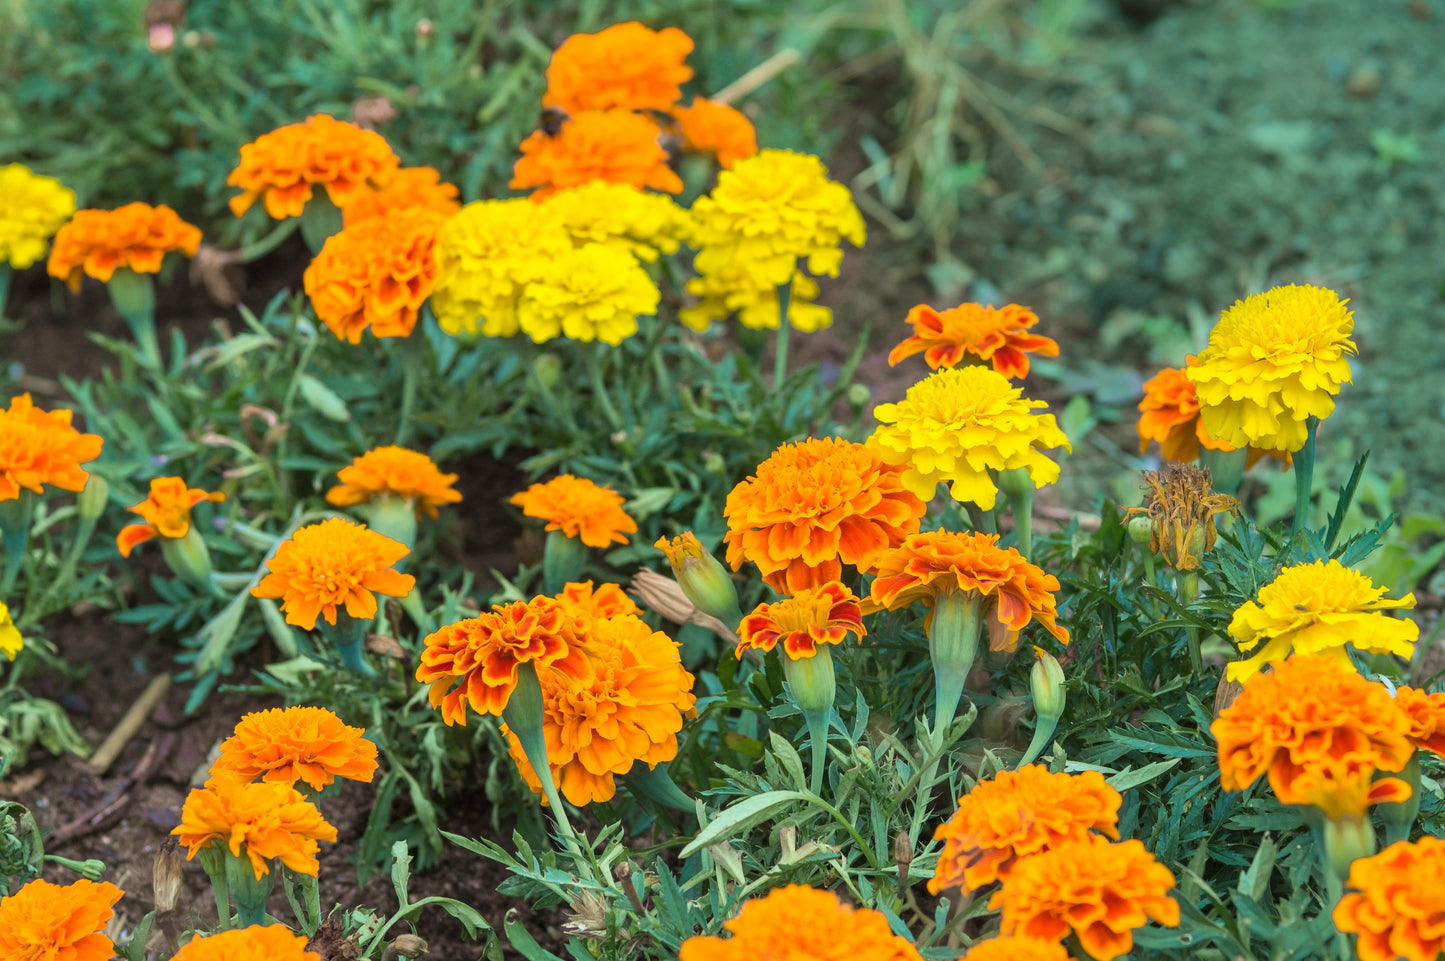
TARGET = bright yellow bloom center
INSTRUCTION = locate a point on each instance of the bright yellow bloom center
(32, 209)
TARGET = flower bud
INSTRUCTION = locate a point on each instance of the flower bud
(1140, 530)
(549, 369)
(859, 395)
(92, 499)
(188, 557)
(166, 876)
(702, 578)
(1046, 684)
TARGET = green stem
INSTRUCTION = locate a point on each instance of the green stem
(813, 685)
(599, 387)
(524, 715)
(780, 353)
(259, 248)
(1304, 470)
(410, 352)
(1188, 594)
(4, 287)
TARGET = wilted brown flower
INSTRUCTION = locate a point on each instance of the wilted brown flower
(1181, 508)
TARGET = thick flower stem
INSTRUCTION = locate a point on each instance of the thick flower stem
(1189, 593)
(523, 714)
(599, 386)
(256, 250)
(563, 560)
(780, 352)
(813, 685)
(134, 298)
(411, 353)
(346, 636)
(15, 518)
(1226, 468)
(1304, 471)
(1399, 816)
(213, 860)
(656, 783)
(4, 287)
(953, 636)
(319, 220)
(1018, 487)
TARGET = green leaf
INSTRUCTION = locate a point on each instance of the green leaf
(741, 816)
(1127, 780)
(1254, 883)
(523, 941)
(323, 399)
(400, 871)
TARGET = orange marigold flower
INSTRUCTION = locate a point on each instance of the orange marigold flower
(268, 820)
(1427, 717)
(1397, 902)
(282, 167)
(821, 615)
(612, 145)
(814, 506)
(1169, 415)
(166, 511)
(394, 472)
(605, 600)
(271, 943)
(578, 508)
(620, 701)
(802, 922)
(716, 128)
(1098, 890)
(376, 273)
(1345, 790)
(626, 66)
(481, 655)
(50, 922)
(331, 564)
(39, 447)
(997, 335)
(293, 744)
(1309, 711)
(408, 187)
(1016, 949)
(138, 236)
(1016, 814)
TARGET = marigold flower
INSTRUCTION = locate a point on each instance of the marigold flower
(595, 292)
(716, 128)
(475, 661)
(268, 820)
(823, 615)
(166, 511)
(1317, 609)
(578, 508)
(40, 447)
(1016, 949)
(332, 564)
(586, 602)
(599, 212)
(1016, 814)
(408, 187)
(282, 168)
(613, 145)
(626, 66)
(293, 744)
(137, 236)
(32, 209)
(11, 643)
(802, 922)
(1309, 711)
(271, 943)
(1396, 902)
(1181, 508)
(957, 425)
(1274, 360)
(1169, 415)
(50, 922)
(1426, 713)
(395, 472)
(1344, 790)
(814, 506)
(997, 335)
(736, 288)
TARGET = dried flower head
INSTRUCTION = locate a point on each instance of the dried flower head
(408, 187)
(1181, 508)
(394, 472)
(1016, 949)
(999, 336)
(32, 209)
(11, 643)
(626, 66)
(40, 447)
(716, 128)
(137, 236)
(1427, 717)
(271, 943)
(50, 922)
(166, 511)
(595, 292)
(578, 508)
(826, 614)
(1396, 902)
(613, 145)
(802, 922)
(267, 820)
(283, 167)
(333, 564)
(293, 744)
(599, 212)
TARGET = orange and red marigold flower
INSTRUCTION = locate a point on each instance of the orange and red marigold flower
(137, 236)
(718, 129)
(1427, 717)
(627, 66)
(1396, 902)
(267, 820)
(1169, 415)
(270, 943)
(333, 564)
(282, 168)
(578, 508)
(612, 145)
(802, 922)
(283, 746)
(821, 615)
(166, 512)
(408, 187)
(50, 922)
(394, 472)
(999, 336)
(39, 447)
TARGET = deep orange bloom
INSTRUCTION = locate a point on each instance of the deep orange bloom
(1169, 415)
(612, 145)
(332, 564)
(996, 335)
(308, 744)
(268, 820)
(814, 506)
(39, 447)
(1344, 790)
(1397, 902)
(626, 66)
(578, 508)
(1017, 814)
(1427, 717)
(138, 236)
(48, 922)
(1098, 890)
(801, 922)
(394, 472)
(481, 655)
(716, 128)
(166, 511)
(408, 187)
(1016, 949)
(585, 602)
(272, 943)
(282, 167)
(820, 615)
(376, 273)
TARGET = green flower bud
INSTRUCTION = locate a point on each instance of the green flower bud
(93, 498)
(702, 578)
(1046, 684)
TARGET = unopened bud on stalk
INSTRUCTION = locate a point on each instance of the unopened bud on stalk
(1140, 530)
(702, 578)
(92, 499)
(1046, 684)
(549, 369)
(91, 870)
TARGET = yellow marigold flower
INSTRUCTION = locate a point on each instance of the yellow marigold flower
(802, 922)
(475, 661)
(620, 701)
(735, 289)
(138, 236)
(718, 129)
(48, 922)
(626, 66)
(1396, 902)
(1308, 712)
(1317, 609)
(613, 145)
(998, 336)
(486, 255)
(599, 212)
(958, 425)
(268, 820)
(1017, 814)
(274, 942)
(408, 187)
(1426, 713)
(578, 508)
(1181, 508)
(1016, 949)
(166, 511)
(595, 292)
(282, 168)
(40, 447)
(32, 209)
(823, 615)
(11, 643)
(333, 564)
(814, 506)
(395, 472)
(1274, 360)
(1169, 416)
(293, 744)
(1097, 890)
